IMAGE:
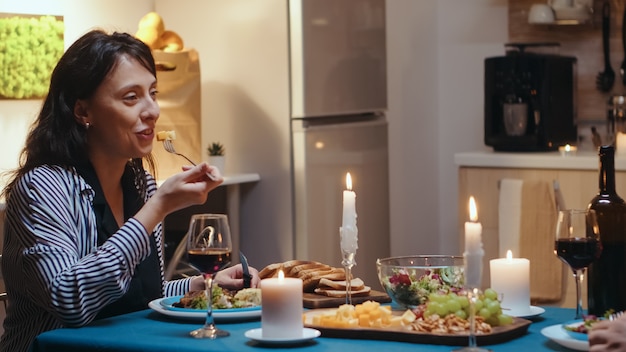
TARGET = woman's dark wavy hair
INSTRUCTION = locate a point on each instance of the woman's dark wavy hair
(56, 137)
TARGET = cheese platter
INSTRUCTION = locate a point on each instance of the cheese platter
(498, 334)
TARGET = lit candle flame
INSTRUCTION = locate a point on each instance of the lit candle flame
(472, 209)
(509, 255)
(281, 275)
(348, 182)
(567, 147)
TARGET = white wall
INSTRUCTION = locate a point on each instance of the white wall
(412, 50)
(436, 51)
(468, 32)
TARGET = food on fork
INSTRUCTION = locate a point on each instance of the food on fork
(166, 135)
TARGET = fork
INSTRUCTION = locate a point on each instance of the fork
(169, 147)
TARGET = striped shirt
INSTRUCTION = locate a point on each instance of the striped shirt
(55, 273)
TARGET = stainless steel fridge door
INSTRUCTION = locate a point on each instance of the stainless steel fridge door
(323, 154)
(337, 57)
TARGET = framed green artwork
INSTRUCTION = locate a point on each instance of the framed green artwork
(30, 46)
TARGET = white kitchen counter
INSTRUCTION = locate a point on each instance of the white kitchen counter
(586, 160)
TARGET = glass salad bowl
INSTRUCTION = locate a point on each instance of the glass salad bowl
(409, 280)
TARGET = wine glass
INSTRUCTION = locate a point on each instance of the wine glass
(208, 251)
(577, 244)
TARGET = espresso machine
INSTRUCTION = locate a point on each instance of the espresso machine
(530, 100)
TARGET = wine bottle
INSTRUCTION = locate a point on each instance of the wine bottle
(607, 275)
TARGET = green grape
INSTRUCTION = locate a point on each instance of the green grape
(461, 314)
(431, 307)
(478, 305)
(436, 297)
(492, 320)
(463, 301)
(441, 298)
(442, 310)
(504, 319)
(484, 312)
(453, 305)
(493, 307)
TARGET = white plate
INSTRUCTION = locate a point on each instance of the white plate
(257, 335)
(534, 312)
(163, 306)
(558, 335)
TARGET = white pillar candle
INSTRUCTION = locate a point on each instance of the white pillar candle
(473, 230)
(510, 277)
(473, 255)
(281, 308)
(349, 232)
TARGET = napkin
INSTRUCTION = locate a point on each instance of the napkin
(527, 218)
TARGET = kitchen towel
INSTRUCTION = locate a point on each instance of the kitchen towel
(527, 218)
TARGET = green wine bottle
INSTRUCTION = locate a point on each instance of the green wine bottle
(607, 275)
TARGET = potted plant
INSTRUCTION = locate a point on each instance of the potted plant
(216, 155)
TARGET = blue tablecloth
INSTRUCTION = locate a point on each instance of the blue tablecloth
(150, 331)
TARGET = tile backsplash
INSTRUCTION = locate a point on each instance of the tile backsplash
(583, 41)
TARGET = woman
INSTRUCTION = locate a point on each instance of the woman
(83, 231)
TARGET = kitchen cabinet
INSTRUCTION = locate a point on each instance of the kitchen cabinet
(479, 173)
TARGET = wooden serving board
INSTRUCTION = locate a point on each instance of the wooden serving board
(314, 301)
(499, 334)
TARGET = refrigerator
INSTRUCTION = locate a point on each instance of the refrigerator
(296, 90)
(338, 122)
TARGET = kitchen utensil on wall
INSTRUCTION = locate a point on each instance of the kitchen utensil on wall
(606, 78)
(622, 68)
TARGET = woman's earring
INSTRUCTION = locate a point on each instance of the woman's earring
(87, 124)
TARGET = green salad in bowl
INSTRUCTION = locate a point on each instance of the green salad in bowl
(409, 280)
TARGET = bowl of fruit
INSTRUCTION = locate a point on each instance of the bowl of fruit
(409, 280)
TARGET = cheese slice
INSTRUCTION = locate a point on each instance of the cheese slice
(166, 135)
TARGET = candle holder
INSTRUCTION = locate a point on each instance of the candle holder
(348, 250)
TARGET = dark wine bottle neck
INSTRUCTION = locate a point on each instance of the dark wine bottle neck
(607, 173)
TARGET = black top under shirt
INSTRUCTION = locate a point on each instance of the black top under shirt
(146, 284)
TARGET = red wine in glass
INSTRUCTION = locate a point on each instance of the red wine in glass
(208, 261)
(209, 249)
(577, 243)
(578, 253)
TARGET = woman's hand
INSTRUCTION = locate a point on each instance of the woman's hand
(231, 278)
(608, 335)
(190, 187)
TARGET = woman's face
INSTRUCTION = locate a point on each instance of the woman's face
(122, 112)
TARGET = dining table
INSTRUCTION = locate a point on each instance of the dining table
(149, 330)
